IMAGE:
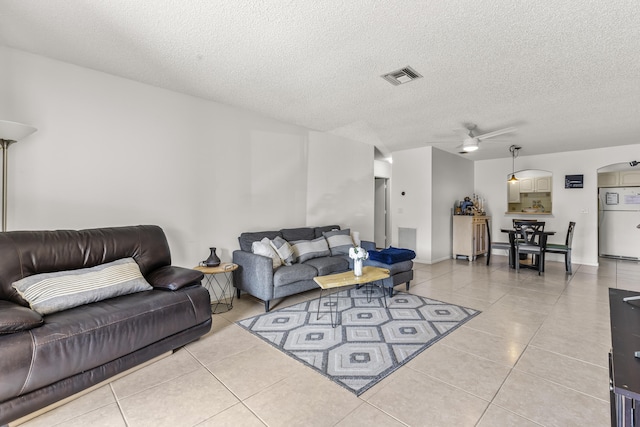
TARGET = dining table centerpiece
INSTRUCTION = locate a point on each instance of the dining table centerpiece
(358, 254)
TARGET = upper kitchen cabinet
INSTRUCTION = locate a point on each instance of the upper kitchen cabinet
(622, 178)
(539, 184)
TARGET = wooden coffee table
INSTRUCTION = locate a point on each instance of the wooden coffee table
(339, 280)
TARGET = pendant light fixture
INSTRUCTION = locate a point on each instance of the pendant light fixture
(514, 153)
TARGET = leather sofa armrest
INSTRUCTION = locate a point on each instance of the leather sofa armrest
(16, 318)
(172, 278)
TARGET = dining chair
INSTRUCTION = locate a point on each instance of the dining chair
(506, 246)
(529, 227)
(564, 249)
(523, 220)
(530, 242)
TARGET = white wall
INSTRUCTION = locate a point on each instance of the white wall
(432, 180)
(335, 197)
(110, 151)
(452, 180)
(579, 205)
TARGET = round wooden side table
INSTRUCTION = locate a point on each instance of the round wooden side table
(220, 303)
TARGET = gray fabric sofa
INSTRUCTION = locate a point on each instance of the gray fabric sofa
(256, 276)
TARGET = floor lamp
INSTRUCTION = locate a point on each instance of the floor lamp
(10, 132)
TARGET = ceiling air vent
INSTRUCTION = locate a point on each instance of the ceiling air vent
(401, 76)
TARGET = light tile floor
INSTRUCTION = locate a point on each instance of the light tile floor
(536, 356)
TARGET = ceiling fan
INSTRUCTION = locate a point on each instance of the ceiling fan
(472, 142)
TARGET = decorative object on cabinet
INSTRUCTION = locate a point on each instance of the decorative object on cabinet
(469, 236)
(470, 206)
(10, 132)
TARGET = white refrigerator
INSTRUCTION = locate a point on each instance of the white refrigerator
(619, 222)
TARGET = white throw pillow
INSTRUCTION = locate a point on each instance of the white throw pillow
(263, 247)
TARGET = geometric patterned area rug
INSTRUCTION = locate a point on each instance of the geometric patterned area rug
(369, 342)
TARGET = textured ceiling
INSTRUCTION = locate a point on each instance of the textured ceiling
(566, 73)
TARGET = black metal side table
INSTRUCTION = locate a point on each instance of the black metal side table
(220, 303)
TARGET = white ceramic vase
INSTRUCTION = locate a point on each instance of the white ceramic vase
(357, 267)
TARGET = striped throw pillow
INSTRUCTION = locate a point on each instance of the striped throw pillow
(304, 250)
(48, 293)
(283, 249)
(339, 241)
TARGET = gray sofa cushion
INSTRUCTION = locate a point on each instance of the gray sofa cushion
(247, 239)
(301, 233)
(320, 230)
(293, 273)
(329, 265)
(393, 268)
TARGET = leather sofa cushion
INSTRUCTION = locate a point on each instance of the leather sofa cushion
(293, 273)
(16, 318)
(25, 253)
(82, 338)
(329, 264)
(247, 239)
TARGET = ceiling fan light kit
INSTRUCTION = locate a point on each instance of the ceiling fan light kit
(470, 144)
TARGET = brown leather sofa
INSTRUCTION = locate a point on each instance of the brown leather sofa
(44, 359)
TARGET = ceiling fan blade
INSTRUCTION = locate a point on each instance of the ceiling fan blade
(496, 133)
(444, 141)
